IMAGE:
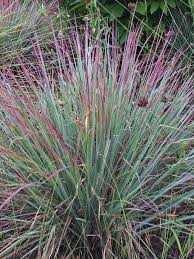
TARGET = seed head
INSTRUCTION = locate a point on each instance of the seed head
(132, 6)
(142, 101)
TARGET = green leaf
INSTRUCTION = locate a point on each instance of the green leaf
(163, 7)
(123, 37)
(149, 2)
(177, 241)
(172, 3)
(115, 10)
(182, 150)
(162, 27)
(142, 8)
(154, 7)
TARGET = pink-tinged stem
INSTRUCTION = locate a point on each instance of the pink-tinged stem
(52, 128)
(10, 198)
(55, 174)
(9, 5)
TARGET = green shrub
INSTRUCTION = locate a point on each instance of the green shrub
(151, 12)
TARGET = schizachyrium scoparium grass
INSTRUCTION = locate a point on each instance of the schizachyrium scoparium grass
(18, 22)
(96, 150)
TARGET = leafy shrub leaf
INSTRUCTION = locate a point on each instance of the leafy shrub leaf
(154, 7)
(163, 7)
(172, 3)
(115, 10)
(141, 8)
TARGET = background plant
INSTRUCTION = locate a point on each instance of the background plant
(18, 22)
(183, 26)
(149, 10)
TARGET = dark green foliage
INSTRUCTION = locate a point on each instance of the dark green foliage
(151, 12)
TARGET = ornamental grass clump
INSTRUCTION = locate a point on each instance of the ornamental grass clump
(18, 22)
(97, 154)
